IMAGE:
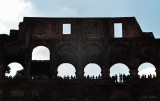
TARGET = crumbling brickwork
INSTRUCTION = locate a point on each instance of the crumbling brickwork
(91, 40)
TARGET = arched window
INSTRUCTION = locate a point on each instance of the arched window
(119, 71)
(41, 53)
(92, 69)
(66, 70)
(147, 70)
(14, 67)
(121, 96)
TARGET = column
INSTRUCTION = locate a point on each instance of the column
(105, 72)
(133, 64)
(53, 63)
(2, 61)
(133, 73)
(80, 71)
(28, 51)
(158, 71)
(53, 70)
(2, 72)
(27, 62)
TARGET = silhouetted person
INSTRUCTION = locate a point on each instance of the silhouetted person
(64, 77)
(71, 77)
(99, 77)
(120, 77)
(67, 77)
(154, 76)
(149, 76)
(87, 77)
(93, 76)
(124, 78)
(96, 77)
(116, 77)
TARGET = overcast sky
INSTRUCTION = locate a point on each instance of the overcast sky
(147, 12)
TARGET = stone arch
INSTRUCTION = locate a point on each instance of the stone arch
(119, 52)
(92, 69)
(146, 69)
(41, 53)
(119, 68)
(121, 96)
(14, 67)
(119, 43)
(148, 43)
(14, 49)
(146, 48)
(119, 72)
(63, 50)
(94, 49)
(66, 69)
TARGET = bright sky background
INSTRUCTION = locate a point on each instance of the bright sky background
(147, 12)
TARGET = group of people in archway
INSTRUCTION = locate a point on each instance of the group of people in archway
(84, 77)
(122, 78)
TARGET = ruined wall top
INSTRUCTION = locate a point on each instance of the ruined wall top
(50, 28)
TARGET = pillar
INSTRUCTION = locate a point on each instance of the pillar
(53, 70)
(27, 61)
(133, 64)
(28, 51)
(2, 61)
(2, 72)
(80, 71)
(105, 72)
(53, 62)
(133, 73)
(158, 71)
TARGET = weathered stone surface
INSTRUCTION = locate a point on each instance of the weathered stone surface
(91, 41)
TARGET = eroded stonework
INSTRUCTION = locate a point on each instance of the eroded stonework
(91, 40)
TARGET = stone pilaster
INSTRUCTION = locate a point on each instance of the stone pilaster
(133, 73)
(53, 70)
(80, 72)
(158, 72)
(134, 63)
(27, 68)
(105, 72)
(53, 62)
(2, 61)
(2, 74)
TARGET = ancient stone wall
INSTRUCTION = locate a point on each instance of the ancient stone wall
(90, 40)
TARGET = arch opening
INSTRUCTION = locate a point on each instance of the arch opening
(92, 70)
(147, 70)
(66, 71)
(121, 96)
(40, 53)
(14, 69)
(119, 72)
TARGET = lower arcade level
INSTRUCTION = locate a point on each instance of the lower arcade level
(132, 89)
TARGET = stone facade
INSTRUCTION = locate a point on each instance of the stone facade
(91, 40)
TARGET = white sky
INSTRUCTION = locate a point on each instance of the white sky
(41, 52)
(146, 12)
